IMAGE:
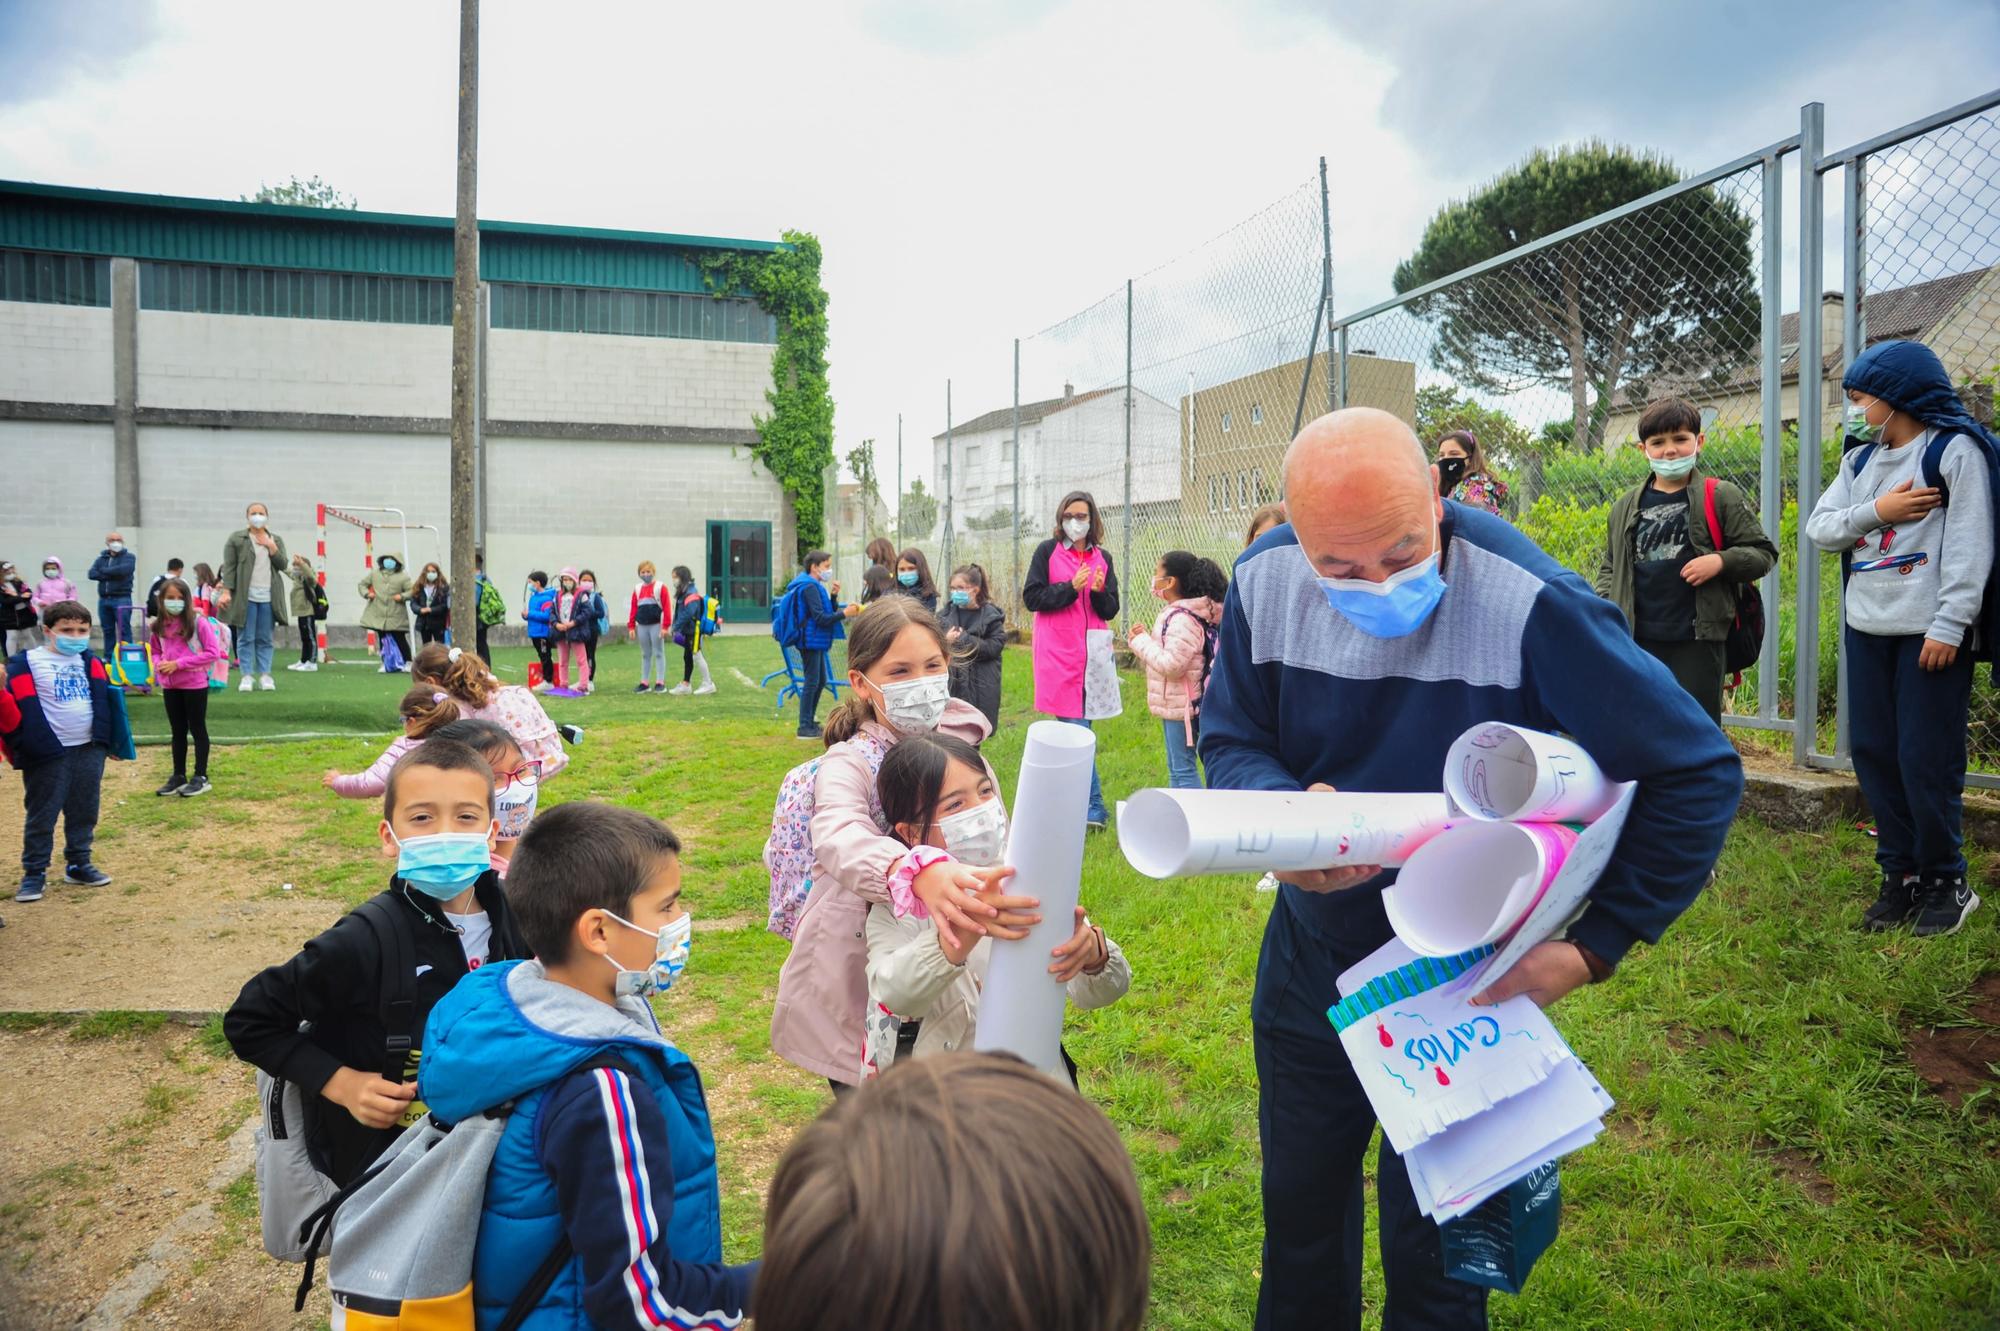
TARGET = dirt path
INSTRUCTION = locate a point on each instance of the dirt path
(172, 933)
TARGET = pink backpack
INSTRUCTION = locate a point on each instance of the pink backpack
(788, 854)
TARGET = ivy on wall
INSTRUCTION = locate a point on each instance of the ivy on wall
(795, 442)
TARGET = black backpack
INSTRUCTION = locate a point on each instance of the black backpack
(1209, 633)
(1745, 642)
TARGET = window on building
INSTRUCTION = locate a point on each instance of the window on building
(1242, 489)
(1256, 414)
(1225, 422)
(1258, 494)
(1218, 494)
(634, 313)
(207, 288)
(55, 279)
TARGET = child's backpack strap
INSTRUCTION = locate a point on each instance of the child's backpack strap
(399, 983)
(1861, 456)
(1932, 466)
(1708, 511)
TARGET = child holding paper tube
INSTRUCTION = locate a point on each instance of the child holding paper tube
(940, 799)
(898, 669)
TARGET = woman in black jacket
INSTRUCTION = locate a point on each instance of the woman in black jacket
(431, 604)
(976, 631)
(913, 578)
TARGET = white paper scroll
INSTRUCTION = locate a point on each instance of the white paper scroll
(1497, 771)
(1172, 833)
(1474, 884)
(1021, 1009)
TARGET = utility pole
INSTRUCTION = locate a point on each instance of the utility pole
(464, 320)
(899, 481)
(947, 474)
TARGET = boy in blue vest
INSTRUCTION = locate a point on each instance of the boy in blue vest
(1912, 510)
(608, 1152)
(56, 727)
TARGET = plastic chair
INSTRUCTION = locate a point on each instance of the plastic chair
(793, 670)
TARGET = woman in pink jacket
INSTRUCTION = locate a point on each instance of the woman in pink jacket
(898, 669)
(184, 646)
(1177, 653)
(1072, 589)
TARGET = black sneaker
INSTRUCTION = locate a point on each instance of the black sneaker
(31, 888)
(1895, 905)
(1943, 905)
(173, 786)
(642, 687)
(814, 733)
(86, 875)
(198, 786)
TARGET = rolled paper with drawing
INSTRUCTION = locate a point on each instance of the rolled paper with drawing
(1021, 1008)
(1512, 774)
(1175, 833)
(1475, 884)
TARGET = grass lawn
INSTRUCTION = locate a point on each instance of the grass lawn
(1774, 1160)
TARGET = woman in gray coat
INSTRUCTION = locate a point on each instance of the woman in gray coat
(251, 594)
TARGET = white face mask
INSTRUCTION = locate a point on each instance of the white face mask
(1076, 528)
(430, 575)
(173, 607)
(915, 706)
(977, 835)
(258, 519)
(115, 547)
(670, 956)
(514, 809)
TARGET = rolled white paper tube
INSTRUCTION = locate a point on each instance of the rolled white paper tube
(1473, 884)
(1511, 773)
(1173, 833)
(1021, 1008)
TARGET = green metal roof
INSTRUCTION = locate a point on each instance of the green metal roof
(68, 220)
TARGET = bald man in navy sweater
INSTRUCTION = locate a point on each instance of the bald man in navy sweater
(1357, 643)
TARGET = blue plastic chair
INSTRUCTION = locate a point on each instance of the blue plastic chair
(794, 672)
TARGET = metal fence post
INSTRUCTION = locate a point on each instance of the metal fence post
(1014, 524)
(1125, 555)
(1805, 629)
(1853, 337)
(1771, 464)
(1336, 394)
(1341, 377)
(899, 480)
(947, 474)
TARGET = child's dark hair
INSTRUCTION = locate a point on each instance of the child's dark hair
(440, 755)
(204, 576)
(924, 587)
(912, 777)
(814, 557)
(1670, 415)
(877, 581)
(539, 577)
(577, 857)
(61, 610)
(457, 671)
(940, 1171)
(185, 619)
(426, 710)
(683, 576)
(1197, 576)
(489, 739)
(869, 638)
(175, 565)
(1475, 456)
(975, 575)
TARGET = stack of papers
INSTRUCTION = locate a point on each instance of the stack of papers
(1472, 1098)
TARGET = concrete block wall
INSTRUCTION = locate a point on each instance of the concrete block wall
(55, 353)
(55, 494)
(606, 378)
(247, 363)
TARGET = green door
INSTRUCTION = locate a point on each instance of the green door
(739, 570)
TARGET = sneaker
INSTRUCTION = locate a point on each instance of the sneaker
(86, 875)
(1096, 824)
(643, 687)
(1943, 905)
(198, 786)
(813, 732)
(266, 683)
(296, 665)
(1268, 883)
(173, 786)
(706, 688)
(680, 690)
(30, 889)
(247, 685)
(1895, 905)
(659, 688)
(309, 666)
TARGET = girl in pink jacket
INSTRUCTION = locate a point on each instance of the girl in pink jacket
(425, 710)
(184, 646)
(1177, 653)
(52, 588)
(482, 697)
(898, 670)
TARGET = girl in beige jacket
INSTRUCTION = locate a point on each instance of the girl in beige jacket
(940, 799)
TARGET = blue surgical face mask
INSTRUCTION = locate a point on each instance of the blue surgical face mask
(73, 646)
(443, 864)
(908, 577)
(1392, 608)
(961, 598)
(1673, 468)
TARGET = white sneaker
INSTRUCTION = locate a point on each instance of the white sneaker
(309, 666)
(680, 690)
(266, 683)
(706, 688)
(1268, 883)
(296, 665)
(247, 685)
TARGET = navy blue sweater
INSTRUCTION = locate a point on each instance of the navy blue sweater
(1298, 695)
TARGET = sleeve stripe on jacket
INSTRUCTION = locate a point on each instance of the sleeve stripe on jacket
(642, 1279)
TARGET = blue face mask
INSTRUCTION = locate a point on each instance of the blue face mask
(1393, 608)
(961, 598)
(443, 864)
(907, 578)
(1673, 468)
(73, 646)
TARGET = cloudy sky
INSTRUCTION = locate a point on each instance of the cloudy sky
(976, 170)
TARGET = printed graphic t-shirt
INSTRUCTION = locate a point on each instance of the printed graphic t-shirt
(1663, 603)
(63, 684)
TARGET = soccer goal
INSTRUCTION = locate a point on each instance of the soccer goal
(368, 518)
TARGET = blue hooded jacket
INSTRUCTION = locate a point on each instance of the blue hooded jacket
(540, 605)
(620, 1158)
(820, 620)
(1910, 377)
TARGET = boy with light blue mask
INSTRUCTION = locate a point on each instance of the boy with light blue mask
(1661, 564)
(324, 1021)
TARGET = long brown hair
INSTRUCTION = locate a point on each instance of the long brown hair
(1475, 456)
(924, 587)
(940, 1172)
(881, 551)
(185, 618)
(1096, 537)
(425, 710)
(466, 678)
(1271, 515)
(869, 638)
(443, 583)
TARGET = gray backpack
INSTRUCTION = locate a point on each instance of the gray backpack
(290, 1186)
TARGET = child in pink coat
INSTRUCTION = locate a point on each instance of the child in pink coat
(1177, 653)
(424, 710)
(185, 646)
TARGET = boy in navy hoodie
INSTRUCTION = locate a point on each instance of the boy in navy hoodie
(1912, 510)
(608, 1149)
(56, 726)
(820, 621)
